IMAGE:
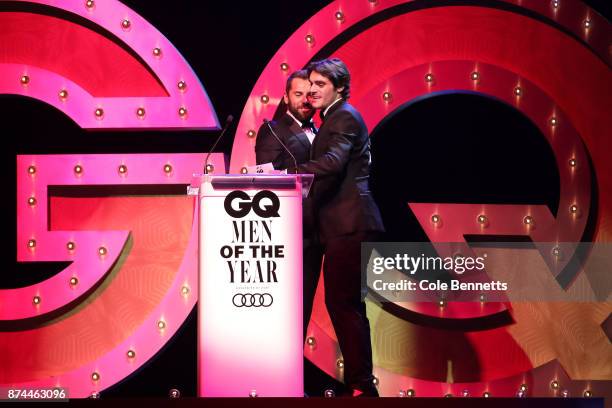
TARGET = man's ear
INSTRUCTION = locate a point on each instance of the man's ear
(285, 99)
(339, 90)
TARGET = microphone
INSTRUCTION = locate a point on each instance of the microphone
(267, 122)
(228, 122)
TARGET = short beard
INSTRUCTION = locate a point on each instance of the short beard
(298, 114)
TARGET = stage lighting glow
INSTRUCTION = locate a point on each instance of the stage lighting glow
(475, 76)
(339, 16)
(185, 290)
(130, 354)
(24, 80)
(435, 218)
(587, 24)
(161, 325)
(441, 302)
(157, 52)
(182, 85)
(573, 162)
(410, 392)
(528, 220)
(587, 394)
(387, 96)
(555, 3)
(554, 384)
(311, 341)
(482, 219)
(70, 246)
(126, 24)
(518, 91)
(182, 112)
(284, 66)
(63, 94)
(340, 363)
(264, 98)
(523, 387)
(140, 112)
(32, 201)
(36, 300)
(78, 169)
(32, 170)
(486, 394)
(556, 251)
(99, 112)
(95, 376)
(429, 77)
(167, 168)
(122, 169)
(102, 251)
(74, 281)
(251, 133)
(573, 208)
(553, 121)
(309, 39)
(32, 243)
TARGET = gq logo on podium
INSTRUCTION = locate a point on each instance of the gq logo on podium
(245, 204)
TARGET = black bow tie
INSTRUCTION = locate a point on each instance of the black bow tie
(309, 125)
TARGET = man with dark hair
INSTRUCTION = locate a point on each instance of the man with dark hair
(297, 131)
(295, 128)
(346, 213)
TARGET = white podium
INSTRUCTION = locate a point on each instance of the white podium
(250, 285)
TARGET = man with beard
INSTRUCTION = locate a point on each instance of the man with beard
(297, 132)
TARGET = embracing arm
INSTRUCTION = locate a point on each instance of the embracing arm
(344, 129)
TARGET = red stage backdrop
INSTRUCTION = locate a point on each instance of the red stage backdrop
(132, 279)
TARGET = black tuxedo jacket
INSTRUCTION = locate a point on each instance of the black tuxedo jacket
(340, 161)
(269, 150)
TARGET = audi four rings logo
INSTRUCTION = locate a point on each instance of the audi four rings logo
(252, 300)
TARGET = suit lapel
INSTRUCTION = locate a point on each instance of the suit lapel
(322, 130)
(300, 134)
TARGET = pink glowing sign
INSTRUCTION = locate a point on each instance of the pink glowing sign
(147, 86)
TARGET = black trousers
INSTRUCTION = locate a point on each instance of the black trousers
(345, 291)
(312, 258)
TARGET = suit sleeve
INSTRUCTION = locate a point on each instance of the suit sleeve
(344, 129)
(268, 149)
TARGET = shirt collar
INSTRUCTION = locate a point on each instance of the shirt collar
(332, 104)
(296, 119)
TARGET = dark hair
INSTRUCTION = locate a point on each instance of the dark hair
(336, 71)
(302, 74)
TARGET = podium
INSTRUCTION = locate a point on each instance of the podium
(250, 285)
